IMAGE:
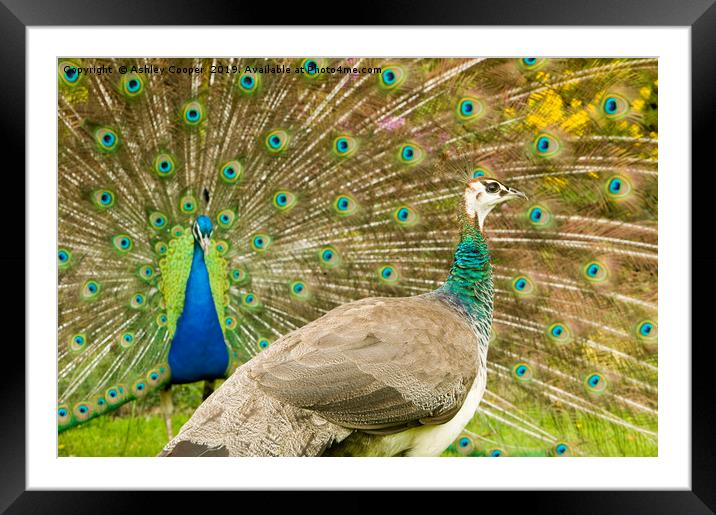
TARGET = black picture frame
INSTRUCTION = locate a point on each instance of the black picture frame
(699, 15)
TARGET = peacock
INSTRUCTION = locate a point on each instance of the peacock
(209, 207)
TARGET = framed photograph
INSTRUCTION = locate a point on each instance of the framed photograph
(373, 241)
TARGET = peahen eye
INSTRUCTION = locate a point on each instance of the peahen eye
(492, 187)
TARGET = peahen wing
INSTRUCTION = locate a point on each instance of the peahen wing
(329, 187)
(378, 363)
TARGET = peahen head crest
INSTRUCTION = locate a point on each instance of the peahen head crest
(483, 194)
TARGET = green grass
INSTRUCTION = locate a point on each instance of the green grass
(137, 429)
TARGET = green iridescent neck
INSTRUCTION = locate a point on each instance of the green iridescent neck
(470, 279)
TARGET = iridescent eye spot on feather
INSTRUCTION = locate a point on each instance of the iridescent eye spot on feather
(469, 108)
(82, 411)
(480, 171)
(231, 172)
(69, 73)
(464, 445)
(392, 77)
(559, 333)
(222, 247)
(260, 242)
(193, 113)
(132, 85)
(250, 301)
(344, 146)
(646, 331)
(328, 257)
(263, 343)
(522, 285)
(90, 290)
(546, 145)
(299, 290)
(226, 218)
(63, 415)
(522, 371)
(595, 271)
(103, 199)
(122, 243)
(162, 320)
(64, 257)
(405, 216)
(276, 141)
(495, 453)
(617, 187)
(284, 200)
(139, 388)
(248, 82)
(595, 383)
(531, 63)
(388, 274)
(614, 106)
(138, 301)
(154, 377)
(160, 248)
(164, 165)
(188, 204)
(344, 205)
(106, 139)
(562, 449)
(230, 323)
(77, 343)
(113, 395)
(157, 220)
(539, 216)
(312, 67)
(410, 154)
(126, 339)
(177, 231)
(239, 275)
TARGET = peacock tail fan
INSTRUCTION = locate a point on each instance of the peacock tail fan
(329, 187)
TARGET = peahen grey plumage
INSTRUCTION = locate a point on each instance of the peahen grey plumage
(321, 188)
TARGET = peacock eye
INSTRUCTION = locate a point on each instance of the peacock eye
(492, 187)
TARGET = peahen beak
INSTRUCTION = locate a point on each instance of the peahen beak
(513, 193)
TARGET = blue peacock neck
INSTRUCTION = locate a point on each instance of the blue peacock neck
(469, 283)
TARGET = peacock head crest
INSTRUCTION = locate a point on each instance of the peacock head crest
(202, 230)
(483, 194)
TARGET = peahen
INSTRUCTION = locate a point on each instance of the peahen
(207, 207)
(382, 376)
